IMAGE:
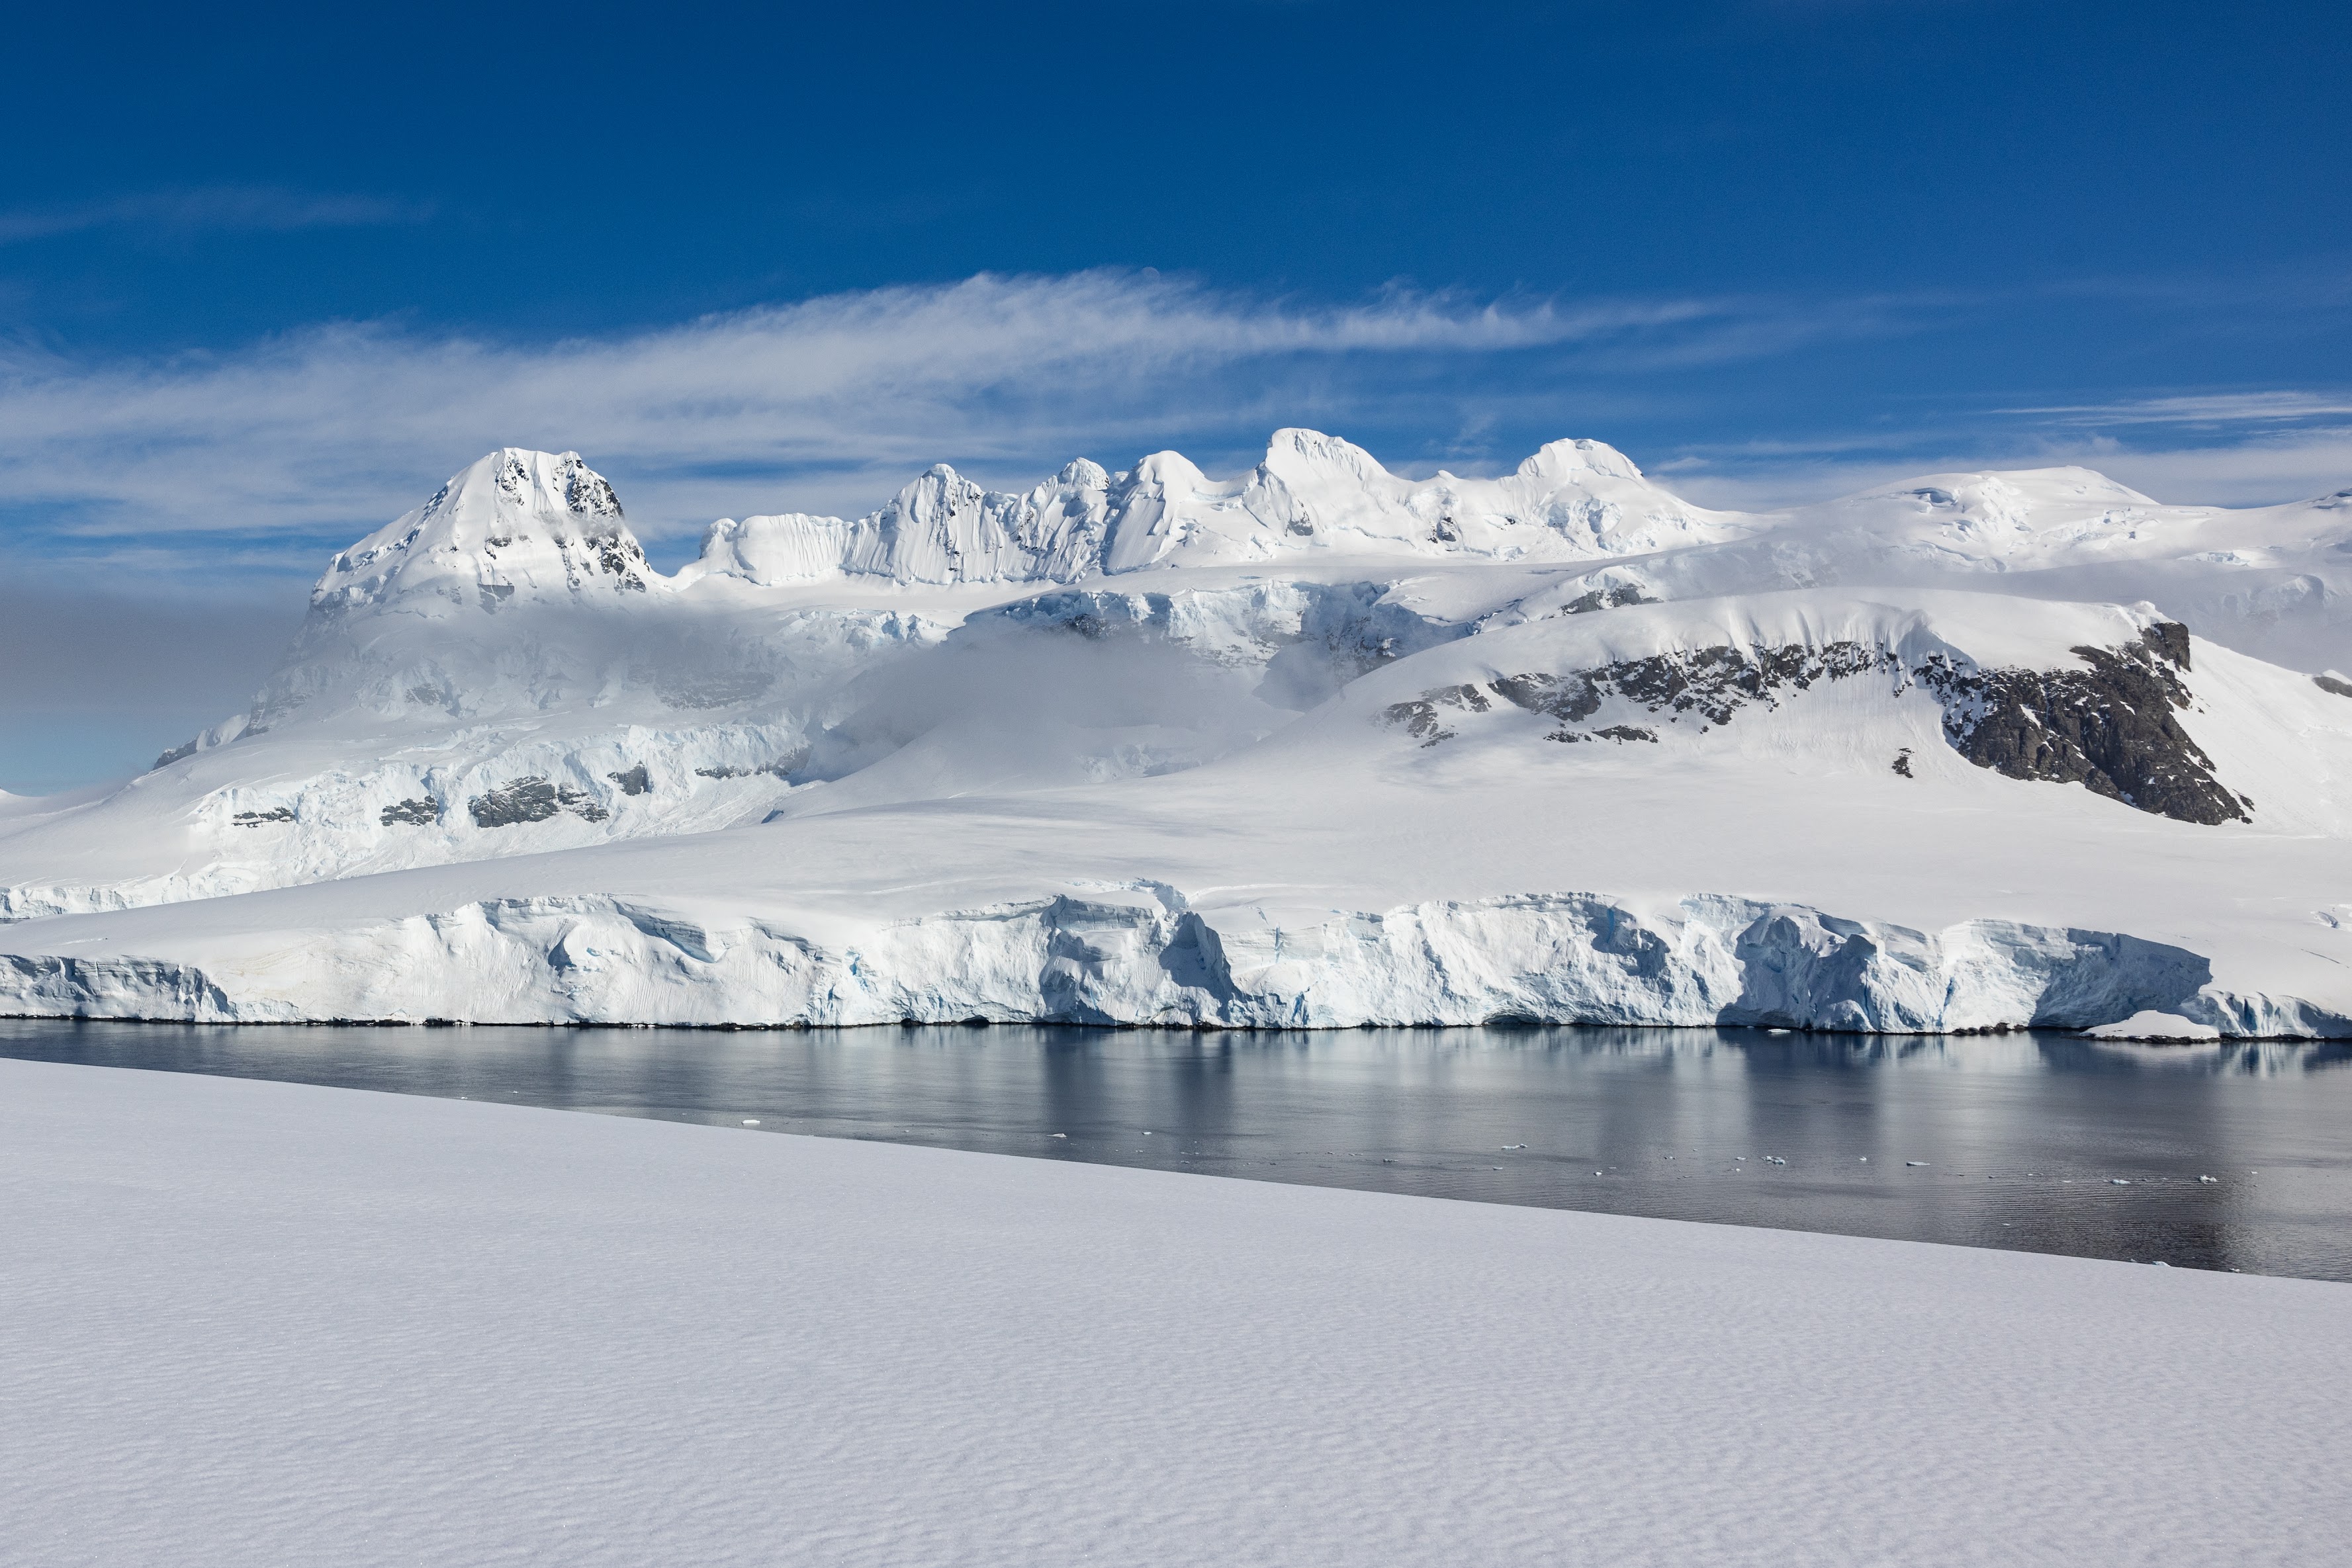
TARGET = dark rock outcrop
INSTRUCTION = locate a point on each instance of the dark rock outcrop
(422, 811)
(532, 800)
(1713, 683)
(1605, 598)
(1419, 717)
(2108, 725)
(2108, 728)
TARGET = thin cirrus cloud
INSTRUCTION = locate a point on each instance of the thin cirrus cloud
(216, 207)
(2234, 448)
(256, 462)
(2238, 408)
(318, 433)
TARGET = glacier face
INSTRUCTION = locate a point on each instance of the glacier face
(1087, 960)
(1317, 745)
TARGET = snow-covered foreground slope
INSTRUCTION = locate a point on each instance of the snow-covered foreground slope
(1316, 745)
(262, 1322)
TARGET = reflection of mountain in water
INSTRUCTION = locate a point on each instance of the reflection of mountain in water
(2021, 1135)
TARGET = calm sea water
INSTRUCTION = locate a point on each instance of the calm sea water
(2044, 1143)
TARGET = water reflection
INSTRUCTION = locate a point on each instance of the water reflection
(2048, 1143)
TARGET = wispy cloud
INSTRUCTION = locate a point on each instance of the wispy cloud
(2251, 468)
(2235, 408)
(331, 429)
(262, 460)
(224, 207)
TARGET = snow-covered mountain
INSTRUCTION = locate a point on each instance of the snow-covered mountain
(1314, 497)
(1317, 745)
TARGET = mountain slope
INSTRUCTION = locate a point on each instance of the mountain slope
(1317, 745)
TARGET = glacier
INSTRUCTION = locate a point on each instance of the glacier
(1316, 746)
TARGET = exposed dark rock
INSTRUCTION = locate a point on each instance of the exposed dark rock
(1557, 696)
(2108, 728)
(262, 819)
(585, 491)
(493, 594)
(1420, 719)
(780, 768)
(2325, 683)
(525, 800)
(532, 800)
(632, 782)
(622, 558)
(422, 811)
(181, 753)
(1605, 598)
(1715, 683)
(2167, 640)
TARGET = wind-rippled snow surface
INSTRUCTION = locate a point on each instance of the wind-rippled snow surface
(253, 1323)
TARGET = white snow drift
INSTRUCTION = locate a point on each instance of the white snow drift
(1318, 744)
(259, 1322)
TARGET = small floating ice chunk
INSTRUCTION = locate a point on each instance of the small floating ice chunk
(2119, 1181)
(1061, 1134)
(1915, 1161)
(2212, 1179)
(750, 1120)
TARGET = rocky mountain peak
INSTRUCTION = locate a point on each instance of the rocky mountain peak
(514, 524)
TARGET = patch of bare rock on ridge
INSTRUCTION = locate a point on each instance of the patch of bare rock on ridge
(2109, 727)
(532, 800)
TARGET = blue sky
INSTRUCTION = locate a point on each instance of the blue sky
(268, 275)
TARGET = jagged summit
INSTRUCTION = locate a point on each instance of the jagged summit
(1311, 493)
(518, 523)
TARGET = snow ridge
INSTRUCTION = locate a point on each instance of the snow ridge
(1311, 493)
